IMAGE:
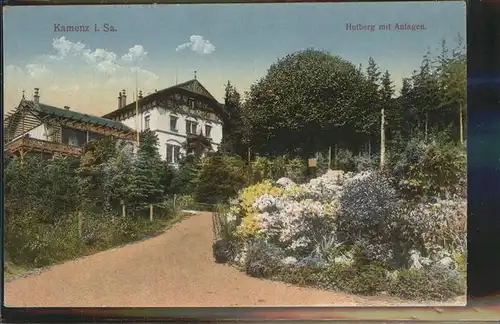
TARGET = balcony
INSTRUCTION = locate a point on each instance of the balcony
(27, 144)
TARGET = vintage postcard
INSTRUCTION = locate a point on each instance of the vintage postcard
(235, 155)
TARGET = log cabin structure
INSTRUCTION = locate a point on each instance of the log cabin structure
(175, 114)
(41, 128)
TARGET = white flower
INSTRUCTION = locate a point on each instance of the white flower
(289, 260)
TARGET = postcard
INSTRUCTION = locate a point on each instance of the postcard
(306, 154)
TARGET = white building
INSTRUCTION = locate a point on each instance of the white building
(173, 114)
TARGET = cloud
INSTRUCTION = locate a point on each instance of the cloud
(36, 70)
(101, 59)
(135, 53)
(32, 70)
(146, 77)
(73, 72)
(65, 47)
(197, 44)
(11, 70)
(67, 89)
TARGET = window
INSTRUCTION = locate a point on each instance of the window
(147, 122)
(208, 131)
(191, 127)
(191, 103)
(173, 124)
(173, 153)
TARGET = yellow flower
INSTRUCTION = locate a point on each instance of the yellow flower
(250, 224)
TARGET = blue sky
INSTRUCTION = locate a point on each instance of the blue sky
(236, 42)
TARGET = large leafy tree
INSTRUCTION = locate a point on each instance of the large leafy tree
(305, 102)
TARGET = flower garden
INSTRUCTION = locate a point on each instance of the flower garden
(346, 231)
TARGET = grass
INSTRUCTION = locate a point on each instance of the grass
(159, 226)
(11, 271)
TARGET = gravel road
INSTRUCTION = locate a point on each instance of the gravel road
(172, 269)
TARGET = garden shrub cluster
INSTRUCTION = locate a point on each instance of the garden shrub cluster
(60, 208)
(433, 168)
(348, 231)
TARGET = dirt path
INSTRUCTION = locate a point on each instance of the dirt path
(173, 269)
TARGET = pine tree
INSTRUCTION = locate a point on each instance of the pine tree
(147, 171)
(233, 125)
(373, 101)
(386, 93)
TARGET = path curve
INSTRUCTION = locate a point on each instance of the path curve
(173, 269)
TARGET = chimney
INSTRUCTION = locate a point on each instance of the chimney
(36, 97)
(124, 98)
(140, 94)
(119, 100)
(66, 107)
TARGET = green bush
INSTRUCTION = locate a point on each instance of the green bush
(345, 160)
(219, 178)
(33, 244)
(430, 169)
(366, 162)
(426, 285)
(302, 276)
(224, 250)
(44, 189)
(273, 168)
(367, 205)
(263, 259)
(367, 279)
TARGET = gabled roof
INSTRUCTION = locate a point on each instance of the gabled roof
(47, 110)
(192, 86)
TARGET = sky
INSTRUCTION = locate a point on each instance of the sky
(165, 44)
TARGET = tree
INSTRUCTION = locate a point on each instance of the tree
(233, 127)
(219, 178)
(305, 102)
(452, 74)
(426, 98)
(147, 171)
(118, 172)
(373, 101)
(386, 93)
(45, 190)
(91, 173)
(197, 144)
(183, 180)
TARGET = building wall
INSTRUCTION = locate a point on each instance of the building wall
(159, 122)
(39, 132)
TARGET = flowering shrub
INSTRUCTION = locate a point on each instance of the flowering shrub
(262, 259)
(436, 168)
(249, 226)
(366, 206)
(350, 232)
(442, 223)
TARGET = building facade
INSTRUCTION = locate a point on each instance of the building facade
(41, 128)
(174, 114)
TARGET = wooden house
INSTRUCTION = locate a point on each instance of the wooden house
(37, 127)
